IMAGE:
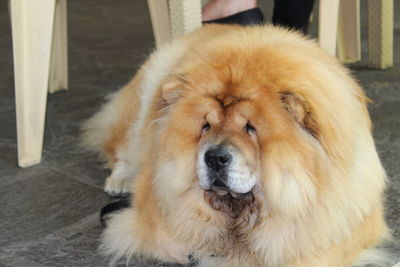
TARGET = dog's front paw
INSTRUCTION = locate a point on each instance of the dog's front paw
(116, 186)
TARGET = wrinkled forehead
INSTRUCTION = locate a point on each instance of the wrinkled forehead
(229, 95)
(230, 82)
(228, 109)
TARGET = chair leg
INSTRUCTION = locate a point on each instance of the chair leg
(32, 28)
(160, 20)
(58, 79)
(349, 38)
(380, 33)
(185, 16)
(328, 24)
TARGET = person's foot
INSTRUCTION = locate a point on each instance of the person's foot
(217, 9)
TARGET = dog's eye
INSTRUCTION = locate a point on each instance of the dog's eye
(206, 127)
(249, 128)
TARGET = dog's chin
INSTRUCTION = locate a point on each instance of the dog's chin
(227, 201)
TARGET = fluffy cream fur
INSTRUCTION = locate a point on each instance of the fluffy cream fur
(318, 195)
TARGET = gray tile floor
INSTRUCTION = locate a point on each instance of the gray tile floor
(49, 212)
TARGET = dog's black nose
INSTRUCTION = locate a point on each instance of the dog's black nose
(217, 158)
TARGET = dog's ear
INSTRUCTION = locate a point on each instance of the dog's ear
(171, 90)
(300, 110)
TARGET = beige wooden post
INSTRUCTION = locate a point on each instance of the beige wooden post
(349, 37)
(172, 18)
(185, 16)
(380, 33)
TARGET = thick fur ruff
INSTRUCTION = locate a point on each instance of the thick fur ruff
(308, 184)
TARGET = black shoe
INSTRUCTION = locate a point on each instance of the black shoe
(248, 17)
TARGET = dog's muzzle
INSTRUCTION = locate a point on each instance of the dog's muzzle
(222, 168)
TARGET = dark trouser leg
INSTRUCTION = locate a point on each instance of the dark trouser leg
(293, 14)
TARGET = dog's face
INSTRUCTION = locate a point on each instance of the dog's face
(246, 134)
(229, 154)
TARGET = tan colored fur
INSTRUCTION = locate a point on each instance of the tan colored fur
(318, 199)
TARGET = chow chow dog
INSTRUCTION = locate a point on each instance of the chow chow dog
(241, 147)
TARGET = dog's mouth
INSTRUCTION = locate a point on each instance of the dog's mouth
(229, 202)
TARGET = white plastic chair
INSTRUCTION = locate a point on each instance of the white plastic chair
(39, 31)
(339, 25)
